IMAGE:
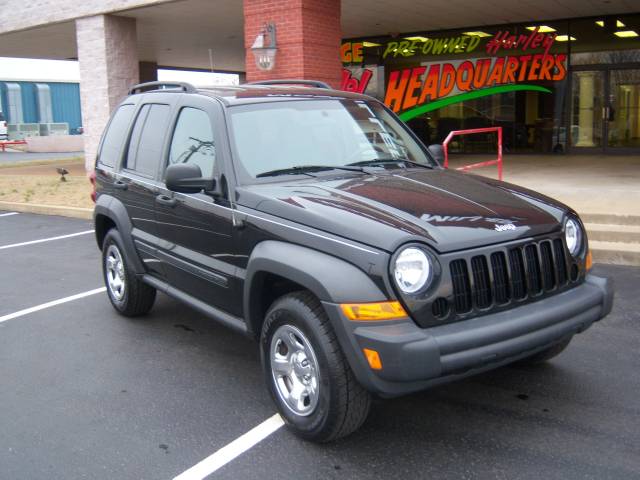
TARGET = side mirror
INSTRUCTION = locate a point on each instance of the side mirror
(187, 178)
(437, 152)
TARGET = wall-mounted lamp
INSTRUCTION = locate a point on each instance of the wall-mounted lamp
(265, 54)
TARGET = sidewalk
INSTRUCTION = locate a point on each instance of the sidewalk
(588, 183)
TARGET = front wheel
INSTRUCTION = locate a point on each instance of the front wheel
(306, 372)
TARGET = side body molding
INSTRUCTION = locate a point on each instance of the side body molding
(113, 209)
(327, 277)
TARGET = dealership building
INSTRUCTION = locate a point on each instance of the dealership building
(558, 76)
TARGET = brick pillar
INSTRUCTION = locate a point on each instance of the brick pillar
(108, 60)
(308, 37)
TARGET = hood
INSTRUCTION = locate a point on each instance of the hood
(446, 209)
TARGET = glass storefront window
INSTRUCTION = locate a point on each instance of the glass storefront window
(598, 41)
(551, 86)
(624, 110)
(605, 107)
(508, 76)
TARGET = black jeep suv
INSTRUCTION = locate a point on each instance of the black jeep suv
(316, 222)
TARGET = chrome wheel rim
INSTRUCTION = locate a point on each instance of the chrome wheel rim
(115, 273)
(294, 369)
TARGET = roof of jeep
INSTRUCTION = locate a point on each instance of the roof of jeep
(244, 94)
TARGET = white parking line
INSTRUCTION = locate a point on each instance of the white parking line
(53, 303)
(8, 214)
(45, 240)
(236, 448)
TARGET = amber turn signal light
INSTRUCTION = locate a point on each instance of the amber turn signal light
(373, 358)
(367, 312)
(588, 263)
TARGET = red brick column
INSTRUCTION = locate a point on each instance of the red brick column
(308, 37)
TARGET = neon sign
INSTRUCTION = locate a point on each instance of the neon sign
(425, 88)
(432, 46)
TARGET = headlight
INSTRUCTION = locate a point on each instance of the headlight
(573, 236)
(412, 270)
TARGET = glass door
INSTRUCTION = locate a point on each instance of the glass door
(622, 112)
(605, 110)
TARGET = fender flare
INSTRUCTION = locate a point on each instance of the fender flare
(329, 278)
(114, 209)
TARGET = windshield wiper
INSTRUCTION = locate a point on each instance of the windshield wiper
(307, 169)
(391, 160)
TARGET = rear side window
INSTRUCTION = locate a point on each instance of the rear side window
(116, 135)
(147, 138)
(192, 141)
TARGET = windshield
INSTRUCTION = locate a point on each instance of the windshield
(290, 135)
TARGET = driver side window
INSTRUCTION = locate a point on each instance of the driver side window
(192, 141)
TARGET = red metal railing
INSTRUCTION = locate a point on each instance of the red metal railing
(497, 161)
(3, 145)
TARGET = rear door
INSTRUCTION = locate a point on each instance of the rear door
(195, 229)
(137, 178)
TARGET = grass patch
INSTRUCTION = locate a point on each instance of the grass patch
(46, 190)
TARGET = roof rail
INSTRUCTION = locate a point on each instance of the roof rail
(311, 83)
(142, 87)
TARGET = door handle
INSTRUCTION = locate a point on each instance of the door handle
(120, 185)
(166, 200)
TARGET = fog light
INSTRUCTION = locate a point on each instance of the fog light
(373, 358)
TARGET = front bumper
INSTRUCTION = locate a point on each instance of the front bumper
(415, 358)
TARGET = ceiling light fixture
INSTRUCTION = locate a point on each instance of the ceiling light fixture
(600, 23)
(565, 38)
(626, 34)
(477, 34)
(370, 44)
(543, 28)
(619, 24)
(418, 39)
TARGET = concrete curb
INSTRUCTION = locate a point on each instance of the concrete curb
(74, 212)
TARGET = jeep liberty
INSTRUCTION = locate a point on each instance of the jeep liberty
(316, 222)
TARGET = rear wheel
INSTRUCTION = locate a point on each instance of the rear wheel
(546, 354)
(128, 294)
(306, 372)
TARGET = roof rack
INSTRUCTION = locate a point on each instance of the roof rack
(311, 83)
(142, 87)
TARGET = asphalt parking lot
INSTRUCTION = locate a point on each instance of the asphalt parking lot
(85, 393)
(17, 156)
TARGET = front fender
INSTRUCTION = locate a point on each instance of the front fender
(329, 278)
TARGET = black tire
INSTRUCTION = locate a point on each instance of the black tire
(547, 354)
(342, 403)
(136, 297)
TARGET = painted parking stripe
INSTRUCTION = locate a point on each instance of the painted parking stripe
(8, 214)
(42, 240)
(53, 303)
(234, 449)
